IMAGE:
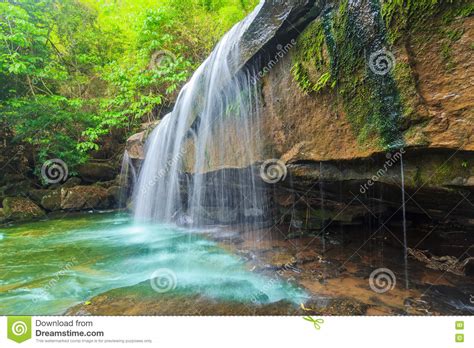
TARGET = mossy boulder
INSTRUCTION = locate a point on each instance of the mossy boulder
(97, 171)
(52, 200)
(21, 209)
(84, 197)
(2, 216)
(114, 193)
(71, 182)
(47, 199)
(36, 195)
(13, 189)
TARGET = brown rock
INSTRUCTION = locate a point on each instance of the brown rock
(37, 195)
(470, 181)
(84, 197)
(71, 182)
(114, 193)
(135, 145)
(21, 209)
(52, 200)
(97, 171)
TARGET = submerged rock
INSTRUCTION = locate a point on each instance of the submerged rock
(21, 209)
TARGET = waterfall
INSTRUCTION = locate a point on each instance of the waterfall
(198, 161)
(128, 178)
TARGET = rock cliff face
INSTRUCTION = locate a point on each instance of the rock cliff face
(355, 93)
(323, 99)
(332, 117)
(433, 91)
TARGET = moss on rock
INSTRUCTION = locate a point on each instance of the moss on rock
(21, 209)
(335, 51)
(402, 17)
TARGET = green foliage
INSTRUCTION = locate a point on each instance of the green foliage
(73, 71)
(51, 123)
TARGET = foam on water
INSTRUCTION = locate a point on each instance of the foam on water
(50, 266)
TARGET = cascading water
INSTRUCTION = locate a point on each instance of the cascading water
(214, 125)
(128, 178)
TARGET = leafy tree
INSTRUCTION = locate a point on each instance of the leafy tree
(73, 71)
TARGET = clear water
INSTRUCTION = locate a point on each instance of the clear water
(49, 266)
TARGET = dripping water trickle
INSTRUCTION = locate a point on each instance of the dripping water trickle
(128, 178)
(405, 250)
(323, 220)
